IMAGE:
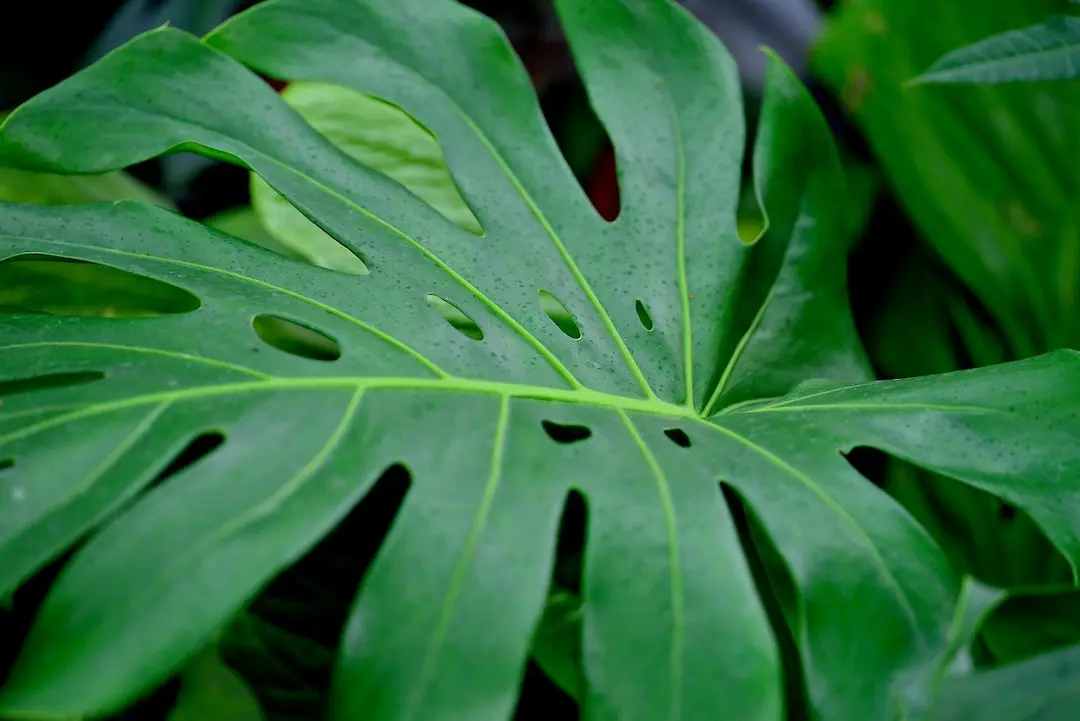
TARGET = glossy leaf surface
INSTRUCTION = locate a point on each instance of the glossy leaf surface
(740, 380)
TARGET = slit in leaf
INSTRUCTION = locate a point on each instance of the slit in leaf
(456, 317)
(40, 283)
(197, 449)
(48, 381)
(778, 593)
(966, 521)
(557, 637)
(387, 139)
(559, 315)
(296, 339)
(284, 643)
(566, 433)
(678, 437)
(643, 315)
(291, 233)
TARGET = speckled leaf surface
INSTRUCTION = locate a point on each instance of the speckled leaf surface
(697, 360)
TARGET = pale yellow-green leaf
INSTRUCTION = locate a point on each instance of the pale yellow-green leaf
(381, 136)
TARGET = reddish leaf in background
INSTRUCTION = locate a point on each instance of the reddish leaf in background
(603, 188)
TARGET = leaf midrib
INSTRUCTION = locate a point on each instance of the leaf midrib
(583, 397)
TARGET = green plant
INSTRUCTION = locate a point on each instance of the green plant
(699, 401)
(984, 171)
(1049, 50)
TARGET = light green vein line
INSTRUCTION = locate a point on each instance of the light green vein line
(461, 385)
(606, 319)
(43, 514)
(680, 245)
(457, 581)
(678, 613)
(725, 378)
(827, 391)
(443, 266)
(857, 531)
(317, 461)
(6, 416)
(141, 349)
(416, 355)
(261, 510)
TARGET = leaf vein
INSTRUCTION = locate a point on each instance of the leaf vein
(457, 580)
(857, 532)
(678, 631)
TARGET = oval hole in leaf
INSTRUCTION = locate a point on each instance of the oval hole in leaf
(559, 315)
(48, 381)
(38, 283)
(566, 432)
(295, 339)
(456, 317)
(6, 463)
(678, 437)
(643, 315)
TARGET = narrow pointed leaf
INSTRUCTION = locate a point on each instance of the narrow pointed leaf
(1049, 50)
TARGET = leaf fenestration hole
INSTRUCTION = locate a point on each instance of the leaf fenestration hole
(294, 338)
(6, 463)
(566, 433)
(776, 588)
(678, 437)
(41, 283)
(556, 646)
(292, 233)
(48, 381)
(456, 317)
(643, 315)
(310, 602)
(559, 315)
(197, 449)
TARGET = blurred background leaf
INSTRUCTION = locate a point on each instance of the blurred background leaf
(381, 136)
(1044, 688)
(211, 690)
(988, 178)
(987, 173)
(1049, 50)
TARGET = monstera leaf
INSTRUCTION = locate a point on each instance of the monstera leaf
(697, 369)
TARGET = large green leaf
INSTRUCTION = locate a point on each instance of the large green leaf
(1049, 50)
(687, 369)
